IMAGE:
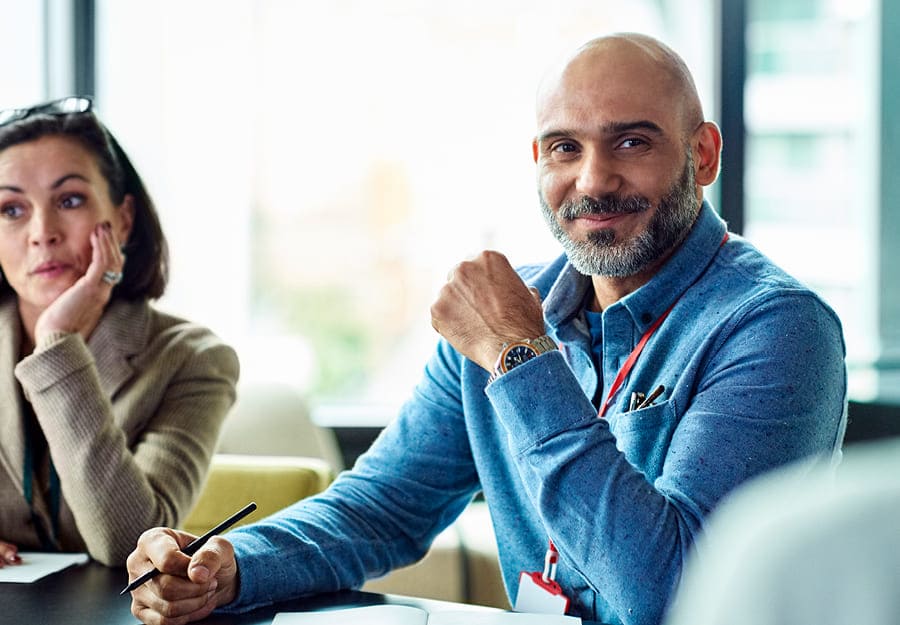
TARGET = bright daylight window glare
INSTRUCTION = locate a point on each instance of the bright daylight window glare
(319, 167)
(812, 152)
(24, 79)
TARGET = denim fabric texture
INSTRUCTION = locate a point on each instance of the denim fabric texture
(753, 367)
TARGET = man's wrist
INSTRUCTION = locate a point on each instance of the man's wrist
(233, 590)
(515, 353)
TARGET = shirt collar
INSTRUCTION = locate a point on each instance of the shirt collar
(567, 295)
(682, 270)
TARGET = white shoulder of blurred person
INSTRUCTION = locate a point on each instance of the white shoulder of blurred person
(804, 545)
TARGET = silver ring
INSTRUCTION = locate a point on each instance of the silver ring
(112, 277)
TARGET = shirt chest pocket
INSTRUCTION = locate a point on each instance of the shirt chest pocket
(644, 436)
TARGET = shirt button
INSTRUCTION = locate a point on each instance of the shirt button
(646, 318)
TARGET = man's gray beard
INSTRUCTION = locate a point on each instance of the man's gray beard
(601, 255)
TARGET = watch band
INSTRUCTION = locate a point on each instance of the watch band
(534, 347)
(544, 344)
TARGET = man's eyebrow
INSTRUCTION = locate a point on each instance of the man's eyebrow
(642, 124)
(555, 134)
(612, 128)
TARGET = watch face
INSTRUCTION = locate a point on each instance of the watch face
(516, 355)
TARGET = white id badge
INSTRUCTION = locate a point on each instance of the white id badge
(539, 596)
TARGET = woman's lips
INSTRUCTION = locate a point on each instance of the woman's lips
(51, 269)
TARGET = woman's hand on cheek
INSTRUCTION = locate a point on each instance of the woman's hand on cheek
(80, 307)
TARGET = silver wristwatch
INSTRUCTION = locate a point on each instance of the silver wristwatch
(515, 353)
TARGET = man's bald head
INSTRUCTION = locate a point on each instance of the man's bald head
(622, 154)
(627, 62)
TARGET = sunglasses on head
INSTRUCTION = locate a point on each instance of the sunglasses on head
(63, 106)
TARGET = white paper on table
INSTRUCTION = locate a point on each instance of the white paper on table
(408, 615)
(36, 564)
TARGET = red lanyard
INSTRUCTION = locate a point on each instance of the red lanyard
(632, 358)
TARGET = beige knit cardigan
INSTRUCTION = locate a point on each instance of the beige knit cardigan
(131, 420)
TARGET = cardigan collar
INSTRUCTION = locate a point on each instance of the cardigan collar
(122, 332)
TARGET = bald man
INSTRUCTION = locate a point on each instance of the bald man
(605, 401)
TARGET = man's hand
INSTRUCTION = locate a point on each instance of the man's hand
(9, 554)
(187, 588)
(79, 308)
(484, 305)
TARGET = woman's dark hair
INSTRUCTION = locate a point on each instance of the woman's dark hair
(147, 258)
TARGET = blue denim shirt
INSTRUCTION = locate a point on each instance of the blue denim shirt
(753, 367)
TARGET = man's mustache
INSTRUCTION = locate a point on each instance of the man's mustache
(605, 205)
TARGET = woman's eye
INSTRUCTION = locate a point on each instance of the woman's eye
(11, 211)
(71, 201)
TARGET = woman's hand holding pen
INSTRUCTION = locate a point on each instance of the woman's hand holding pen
(9, 554)
(188, 588)
(79, 308)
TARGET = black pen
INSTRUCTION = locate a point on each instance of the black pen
(195, 544)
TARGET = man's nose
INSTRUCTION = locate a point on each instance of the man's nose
(597, 175)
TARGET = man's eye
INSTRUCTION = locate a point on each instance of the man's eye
(72, 201)
(632, 143)
(564, 147)
(11, 211)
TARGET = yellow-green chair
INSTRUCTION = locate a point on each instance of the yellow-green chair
(273, 482)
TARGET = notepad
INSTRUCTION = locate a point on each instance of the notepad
(408, 615)
(36, 564)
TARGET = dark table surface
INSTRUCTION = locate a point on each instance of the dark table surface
(89, 594)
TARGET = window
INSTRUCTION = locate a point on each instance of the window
(319, 167)
(22, 43)
(811, 181)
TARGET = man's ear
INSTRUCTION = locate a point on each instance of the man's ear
(534, 149)
(707, 151)
(126, 219)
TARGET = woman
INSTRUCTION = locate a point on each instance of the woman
(109, 409)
